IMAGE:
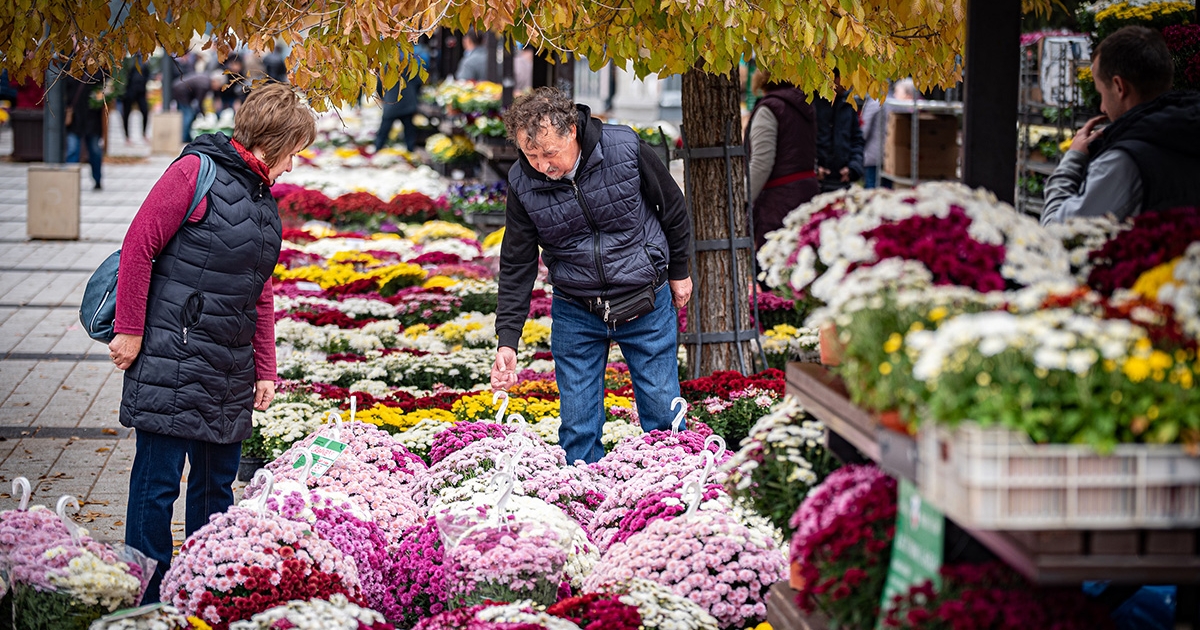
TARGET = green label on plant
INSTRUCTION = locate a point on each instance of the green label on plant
(916, 549)
(324, 452)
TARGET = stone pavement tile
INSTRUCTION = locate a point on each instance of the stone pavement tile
(77, 468)
(32, 394)
(42, 254)
(105, 410)
(11, 375)
(48, 332)
(10, 280)
(6, 312)
(32, 458)
(75, 396)
(19, 324)
(33, 284)
(61, 288)
(75, 341)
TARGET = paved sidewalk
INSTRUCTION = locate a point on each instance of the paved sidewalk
(59, 395)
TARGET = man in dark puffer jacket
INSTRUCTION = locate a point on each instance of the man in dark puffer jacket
(614, 229)
(1148, 158)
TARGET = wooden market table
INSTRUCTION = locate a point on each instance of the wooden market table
(1052, 557)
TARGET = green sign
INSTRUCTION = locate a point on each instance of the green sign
(324, 452)
(916, 549)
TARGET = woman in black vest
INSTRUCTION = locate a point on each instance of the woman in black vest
(782, 137)
(194, 322)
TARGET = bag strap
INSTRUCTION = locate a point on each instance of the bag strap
(204, 182)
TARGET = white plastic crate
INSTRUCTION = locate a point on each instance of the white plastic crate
(993, 478)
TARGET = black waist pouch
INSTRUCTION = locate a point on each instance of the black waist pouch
(624, 308)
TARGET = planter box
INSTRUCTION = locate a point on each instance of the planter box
(166, 133)
(53, 207)
(996, 479)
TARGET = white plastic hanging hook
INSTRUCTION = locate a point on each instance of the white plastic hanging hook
(20, 487)
(502, 397)
(709, 461)
(61, 509)
(353, 407)
(504, 481)
(516, 418)
(521, 445)
(693, 493)
(268, 487)
(309, 460)
(677, 423)
(335, 419)
(719, 441)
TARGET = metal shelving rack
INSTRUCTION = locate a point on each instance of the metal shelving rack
(915, 109)
(1031, 113)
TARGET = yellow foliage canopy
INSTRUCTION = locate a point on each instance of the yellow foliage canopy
(340, 44)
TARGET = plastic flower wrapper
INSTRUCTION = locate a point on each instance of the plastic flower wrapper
(336, 613)
(598, 611)
(660, 608)
(706, 556)
(672, 468)
(387, 497)
(540, 472)
(783, 457)
(497, 556)
(654, 450)
(581, 554)
(462, 434)
(62, 578)
(337, 519)
(244, 562)
(164, 617)
(843, 544)
(495, 617)
(366, 442)
(478, 457)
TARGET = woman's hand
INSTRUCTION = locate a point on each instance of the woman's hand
(264, 393)
(123, 349)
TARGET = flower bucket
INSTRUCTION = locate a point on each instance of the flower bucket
(893, 421)
(795, 579)
(832, 348)
(248, 466)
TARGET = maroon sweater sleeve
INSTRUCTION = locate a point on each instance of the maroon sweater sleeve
(152, 228)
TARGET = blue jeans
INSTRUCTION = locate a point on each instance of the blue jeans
(579, 342)
(385, 130)
(95, 154)
(189, 116)
(154, 486)
(870, 176)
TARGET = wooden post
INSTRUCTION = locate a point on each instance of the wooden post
(990, 105)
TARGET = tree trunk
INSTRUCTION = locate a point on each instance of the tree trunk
(712, 118)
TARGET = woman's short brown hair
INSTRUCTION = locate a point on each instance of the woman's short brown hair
(275, 120)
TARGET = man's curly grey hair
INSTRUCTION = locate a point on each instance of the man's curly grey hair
(543, 106)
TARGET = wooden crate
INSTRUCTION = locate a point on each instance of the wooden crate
(937, 146)
(53, 207)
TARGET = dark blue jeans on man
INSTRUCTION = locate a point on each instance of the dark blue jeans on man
(579, 341)
(95, 153)
(385, 131)
(154, 487)
(189, 116)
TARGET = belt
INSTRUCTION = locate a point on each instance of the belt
(587, 302)
(787, 179)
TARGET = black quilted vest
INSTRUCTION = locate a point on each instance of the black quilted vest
(598, 235)
(1163, 139)
(195, 375)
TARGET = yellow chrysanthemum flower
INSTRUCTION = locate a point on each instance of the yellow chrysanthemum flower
(494, 239)
(439, 282)
(1151, 282)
